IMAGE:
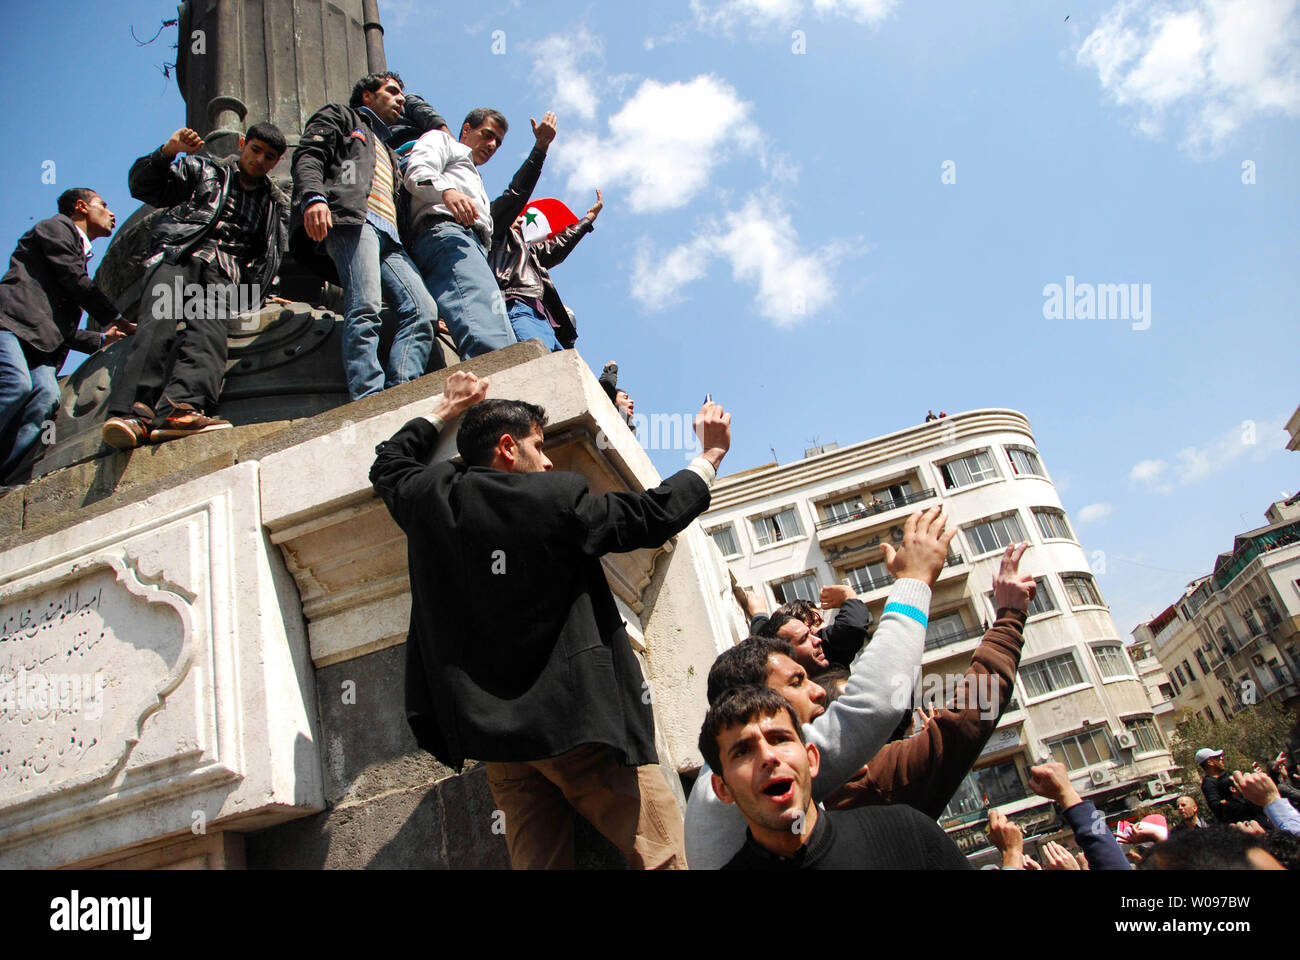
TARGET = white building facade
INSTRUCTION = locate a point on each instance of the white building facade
(787, 530)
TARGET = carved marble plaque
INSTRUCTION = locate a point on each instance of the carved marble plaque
(84, 660)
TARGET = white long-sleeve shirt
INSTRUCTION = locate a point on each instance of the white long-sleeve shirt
(848, 734)
(438, 163)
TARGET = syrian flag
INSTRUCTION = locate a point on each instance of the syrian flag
(546, 217)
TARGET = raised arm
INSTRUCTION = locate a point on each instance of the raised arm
(882, 676)
(154, 179)
(620, 521)
(507, 207)
(401, 460)
(1052, 780)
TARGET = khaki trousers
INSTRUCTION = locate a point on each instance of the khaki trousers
(632, 807)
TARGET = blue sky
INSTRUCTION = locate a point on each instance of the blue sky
(778, 231)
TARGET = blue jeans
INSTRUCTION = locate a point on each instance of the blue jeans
(531, 325)
(29, 396)
(455, 269)
(371, 267)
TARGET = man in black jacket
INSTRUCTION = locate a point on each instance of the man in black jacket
(1222, 800)
(547, 689)
(212, 256)
(41, 299)
(346, 182)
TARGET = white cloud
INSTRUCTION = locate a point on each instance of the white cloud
(1093, 512)
(1250, 439)
(1207, 66)
(761, 245)
(663, 143)
(1149, 472)
(556, 65)
(730, 14)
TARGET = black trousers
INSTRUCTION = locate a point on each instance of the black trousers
(167, 365)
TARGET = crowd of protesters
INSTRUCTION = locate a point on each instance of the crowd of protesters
(811, 759)
(387, 203)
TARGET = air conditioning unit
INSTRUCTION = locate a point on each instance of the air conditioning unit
(1100, 776)
(1126, 740)
(1155, 789)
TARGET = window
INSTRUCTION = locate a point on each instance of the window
(1042, 602)
(1111, 660)
(1166, 690)
(1081, 749)
(983, 788)
(1271, 616)
(1178, 672)
(1052, 524)
(1205, 664)
(1187, 668)
(1025, 462)
(1146, 734)
(893, 492)
(776, 527)
(725, 538)
(802, 587)
(870, 576)
(1223, 706)
(842, 510)
(943, 630)
(994, 533)
(967, 470)
(1081, 590)
(1054, 673)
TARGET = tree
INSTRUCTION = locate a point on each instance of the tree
(1255, 733)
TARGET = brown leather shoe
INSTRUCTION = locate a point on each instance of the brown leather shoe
(185, 421)
(124, 433)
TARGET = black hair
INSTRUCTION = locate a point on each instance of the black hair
(745, 664)
(369, 84)
(68, 199)
(1284, 846)
(485, 423)
(829, 681)
(775, 622)
(1217, 847)
(739, 706)
(269, 134)
(801, 609)
(476, 117)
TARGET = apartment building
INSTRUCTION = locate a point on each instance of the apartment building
(1233, 638)
(788, 529)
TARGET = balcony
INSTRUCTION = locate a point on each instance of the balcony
(871, 510)
(936, 643)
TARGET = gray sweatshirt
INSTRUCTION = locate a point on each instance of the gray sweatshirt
(881, 679)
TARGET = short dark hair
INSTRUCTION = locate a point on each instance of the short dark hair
(476, 117)
(1284, 846)
(775, 622)
(737, 706)
(269, 134)
(745, 664)
(369, 84)
(486, 422)
(1217, 847)
(68, 199)
(828, 680)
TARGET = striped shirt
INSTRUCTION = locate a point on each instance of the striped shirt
(239, 229)
(380, 202)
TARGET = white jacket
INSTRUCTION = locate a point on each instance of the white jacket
(438, 163)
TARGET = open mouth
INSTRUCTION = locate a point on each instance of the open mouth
(780, 790)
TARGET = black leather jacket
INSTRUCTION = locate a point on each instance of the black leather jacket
(195, 189)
